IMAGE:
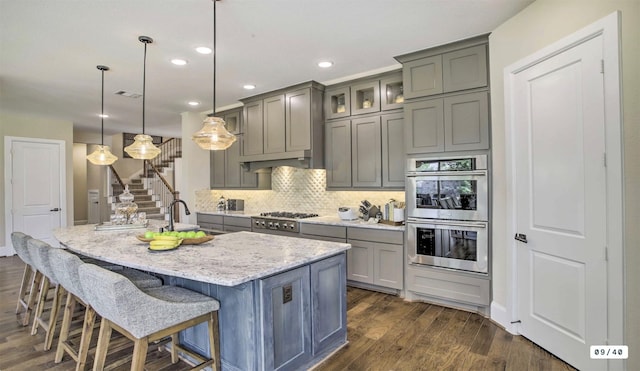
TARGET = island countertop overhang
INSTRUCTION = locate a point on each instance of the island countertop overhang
(228, 260)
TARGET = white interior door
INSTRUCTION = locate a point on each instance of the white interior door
(36, 187)
(559, 127)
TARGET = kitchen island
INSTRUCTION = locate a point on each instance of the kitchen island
(282, 299)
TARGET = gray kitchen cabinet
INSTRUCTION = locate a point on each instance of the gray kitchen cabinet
(466, 122)
(366, 152)
(424, 126)
(236, 223)
(226, 169)
(465, 68)
(391, 92)
(424, 282)
(454, 123)
(328, 311)
(393, 153)
(252, 128)
(285, 319)
(376, 257)
(285, 128)
(365, 97)
(210, 223)
(338, 153)
(449, 68)
(422, 77)
(323, 232)
(218, 223)
(274, 125)
(337, 102)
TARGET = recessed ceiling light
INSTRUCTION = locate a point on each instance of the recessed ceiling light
(203, 50)
(104, 116)
(193, 103)
(179, 62)
(249, 86)
(325, 64)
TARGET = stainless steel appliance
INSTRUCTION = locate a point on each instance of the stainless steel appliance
(235, 204)
(447, 210)
(452, 244)
(279, 222)
(447, 188)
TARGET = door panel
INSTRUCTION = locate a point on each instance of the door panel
(560, 204)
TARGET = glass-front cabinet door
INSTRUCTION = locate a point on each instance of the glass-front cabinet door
(365, 97)
(392, 92)
(337, 102)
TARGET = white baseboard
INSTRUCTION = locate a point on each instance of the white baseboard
(6, 251)
(500, 316)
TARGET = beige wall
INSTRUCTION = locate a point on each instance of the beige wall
(80, 209)
(195, 165)
(36, 127)
(540, 24)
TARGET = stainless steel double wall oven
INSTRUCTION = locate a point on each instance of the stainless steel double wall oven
(447, 210)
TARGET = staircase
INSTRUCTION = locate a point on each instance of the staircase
(153, 191)
(142, 197)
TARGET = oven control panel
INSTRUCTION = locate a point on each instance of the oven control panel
(275, 224)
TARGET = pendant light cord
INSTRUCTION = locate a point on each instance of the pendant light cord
(213, 109)
(144, 83)
(102, 112)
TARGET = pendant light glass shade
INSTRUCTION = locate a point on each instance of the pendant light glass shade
(143, 148)
(213, 136)
(102, 155)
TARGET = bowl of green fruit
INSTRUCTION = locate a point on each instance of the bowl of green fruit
(187, 237)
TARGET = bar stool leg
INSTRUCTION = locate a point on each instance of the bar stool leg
(174, 348)
(69, 310)
(42, 297)
(140, 348)
(26, 279)
(33, 295)
(103, 344)
(214, 345)
(85, 338)
(53, 316)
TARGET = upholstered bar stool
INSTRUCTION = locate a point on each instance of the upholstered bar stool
(66, 266)
(148, 315)
(30, 278)
(39, 253)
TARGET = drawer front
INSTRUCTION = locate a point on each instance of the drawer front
(375, 235)
(237, 221)
(233, 228)
(211, 227)
(451, 286)
(209, 218)
(324, 230)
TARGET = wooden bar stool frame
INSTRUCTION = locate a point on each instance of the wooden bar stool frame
(31, 278)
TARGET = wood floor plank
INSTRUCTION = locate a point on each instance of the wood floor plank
(384, 333)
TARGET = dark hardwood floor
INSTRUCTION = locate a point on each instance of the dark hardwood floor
(384, 332)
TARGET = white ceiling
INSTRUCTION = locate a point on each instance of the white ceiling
(49, 50)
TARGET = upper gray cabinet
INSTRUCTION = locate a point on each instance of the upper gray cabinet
(337, 102)
(449, 68)
(366, 152)
(392, 150)
(338, 153)
(284, 127)
(391, 92)
(365, 97)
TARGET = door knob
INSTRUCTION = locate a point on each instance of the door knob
(521, 237)
(55, 209)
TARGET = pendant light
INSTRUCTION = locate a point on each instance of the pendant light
(102, 155)
(142, 148)
(213, 136)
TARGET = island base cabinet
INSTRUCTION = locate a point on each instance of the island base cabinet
(328, 310)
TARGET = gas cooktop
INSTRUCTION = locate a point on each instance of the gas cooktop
(287, 214)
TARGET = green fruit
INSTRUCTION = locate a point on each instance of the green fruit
(182, 234)
(200, 234)
(148, 234)
(191, 234)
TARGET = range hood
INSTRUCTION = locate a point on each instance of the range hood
(299, 159)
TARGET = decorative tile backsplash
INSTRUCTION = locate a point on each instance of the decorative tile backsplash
(293, 189)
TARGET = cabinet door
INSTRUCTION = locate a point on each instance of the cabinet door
(298, 120)
(465, 69)
(360, 261)
(338, 153)
(388, 266)
(365, 98)
(337, 102)
(366, 152)
(274, 124)
(252, 123)
(424, 126)
(466, 122)
(422, 77)
(391, 92)
(285, 319)
(217, 159)
(328, 302)
(393, 154)
(233, 169)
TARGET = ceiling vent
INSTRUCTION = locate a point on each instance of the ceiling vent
(128, 94)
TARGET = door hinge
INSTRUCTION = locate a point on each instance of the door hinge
(602, 66)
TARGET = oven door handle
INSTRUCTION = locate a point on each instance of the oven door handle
(447, 223)
(412, 174)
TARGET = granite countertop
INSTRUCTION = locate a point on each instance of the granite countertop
(228, 260)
